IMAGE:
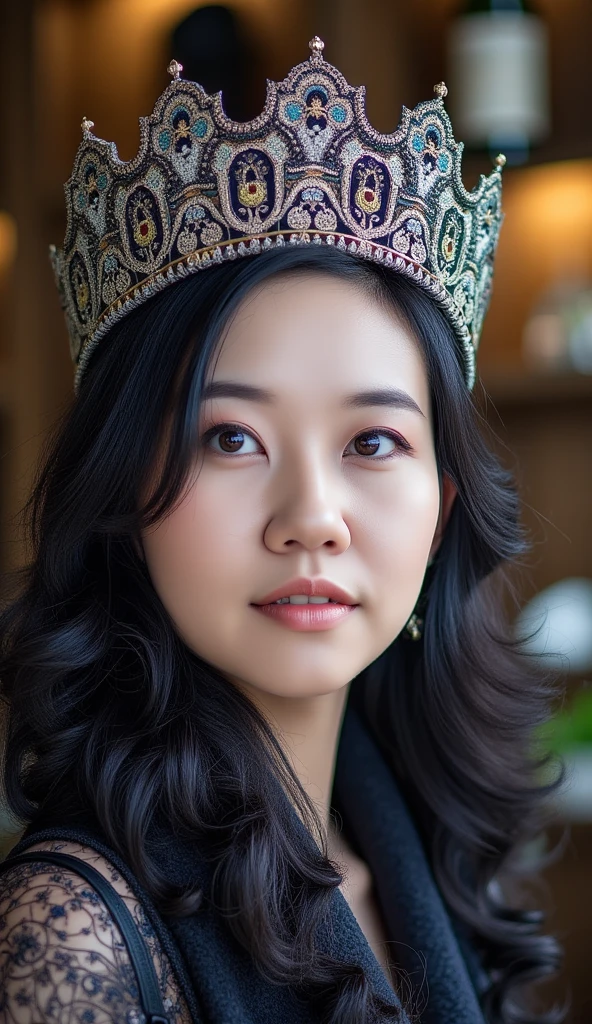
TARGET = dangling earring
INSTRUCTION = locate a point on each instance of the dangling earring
(414, 627)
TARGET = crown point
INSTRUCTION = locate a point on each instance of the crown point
(86, 125)
(500, 161)
(441, 90)
(316, 48)
(174, 69)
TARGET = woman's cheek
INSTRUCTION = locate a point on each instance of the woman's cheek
(402, 518)
(193, 555)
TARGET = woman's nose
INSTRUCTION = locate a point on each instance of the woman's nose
(308, 509)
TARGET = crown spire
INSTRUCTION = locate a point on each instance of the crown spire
(441, 90)
(86, 125)
(316, 48)
(174, 69)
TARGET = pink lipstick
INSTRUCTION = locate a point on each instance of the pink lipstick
(307, 616)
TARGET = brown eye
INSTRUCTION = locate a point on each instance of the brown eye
(231, 440)
(228, 439)
(367, 444)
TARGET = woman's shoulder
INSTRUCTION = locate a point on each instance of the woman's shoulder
(59, 946)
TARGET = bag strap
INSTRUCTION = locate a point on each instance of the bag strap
(150, 995)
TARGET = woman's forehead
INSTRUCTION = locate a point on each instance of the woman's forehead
(322, 334)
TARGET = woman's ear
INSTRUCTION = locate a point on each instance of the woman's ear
(448, 495)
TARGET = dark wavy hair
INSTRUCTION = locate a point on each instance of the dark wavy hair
(100, 688)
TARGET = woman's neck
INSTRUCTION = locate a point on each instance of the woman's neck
(308, 729)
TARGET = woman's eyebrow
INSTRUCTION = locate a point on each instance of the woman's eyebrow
(392, 397)
(395, 398)
(233, 389)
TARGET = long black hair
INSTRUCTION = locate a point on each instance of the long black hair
(101, 690)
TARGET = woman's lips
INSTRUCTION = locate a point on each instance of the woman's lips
(311, 587)
(307, 617)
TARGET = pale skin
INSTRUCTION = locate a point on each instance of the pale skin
(296, 499)
(305, 495)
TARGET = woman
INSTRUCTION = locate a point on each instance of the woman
(258, 676)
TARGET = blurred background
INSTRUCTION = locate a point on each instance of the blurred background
(520, 81)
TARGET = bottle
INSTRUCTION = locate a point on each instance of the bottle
(498, 76)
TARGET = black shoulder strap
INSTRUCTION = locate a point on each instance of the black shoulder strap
(150, 995)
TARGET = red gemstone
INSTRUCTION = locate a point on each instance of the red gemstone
(369, 196)
(144, 228)
(252, 187)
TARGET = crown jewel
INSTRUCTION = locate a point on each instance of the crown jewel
(309, 169)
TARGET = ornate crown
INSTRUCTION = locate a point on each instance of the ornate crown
(309, 170)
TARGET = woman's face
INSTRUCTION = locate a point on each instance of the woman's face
(322, 468)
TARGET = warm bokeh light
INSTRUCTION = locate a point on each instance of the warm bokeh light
(546, 240)
(7, 241)
(551, 208)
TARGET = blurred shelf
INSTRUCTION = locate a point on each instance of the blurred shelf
(529, 388)
(5, 376)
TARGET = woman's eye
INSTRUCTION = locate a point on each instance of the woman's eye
(228, 440)
(379, 444)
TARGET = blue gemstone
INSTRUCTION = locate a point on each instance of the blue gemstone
(338, 114)
(293, 111)
(164, 140)
(200, 128)
(102, 181)
(418, 143)
(443, 162)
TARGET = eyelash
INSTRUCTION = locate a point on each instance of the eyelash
(403, 446)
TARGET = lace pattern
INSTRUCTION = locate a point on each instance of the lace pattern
(61, 955)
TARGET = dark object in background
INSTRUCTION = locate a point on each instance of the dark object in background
(211, 45)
